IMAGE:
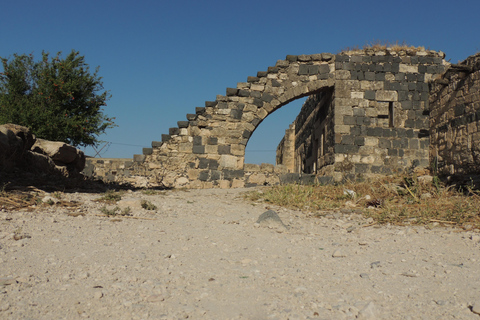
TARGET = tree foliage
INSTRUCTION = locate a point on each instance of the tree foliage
(58, 99)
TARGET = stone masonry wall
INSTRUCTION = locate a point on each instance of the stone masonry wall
(381, 111)
(286, 149)
(314, 134)
(126, 171)
(208, 149)
(455, 119)
(380, 115)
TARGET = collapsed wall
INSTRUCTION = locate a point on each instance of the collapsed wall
(455, 119)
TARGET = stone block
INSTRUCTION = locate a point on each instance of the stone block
(210, 104)
(231, 91)
(215, 175)
(140, 158)
(223, 149)
(380, 76)
(224, 184)
(236, 114)
(237, 149)
(347, 149)
(257, 179)
(228, 162)
(211, 149)
(191, 117)
(197, 141)
(342, 75)
(261, 74)
(267, 167)
(165, 137)
(204, 176)
(407, 68)
(147, 151)
(182, 124)
(198, 149)
(233, 174)
(370, 76)
(156, 144)
(238, 183)
(249, 167)
(386, 95)
(370, 95)
(257, 87)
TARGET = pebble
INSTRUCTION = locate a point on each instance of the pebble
(475, 238)
(476, 307)
(7, 281)
(4, 306)
(368, 312)
(338, 254)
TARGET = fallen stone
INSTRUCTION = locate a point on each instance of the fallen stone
(270, 219)
(7, 281)
(368, 312)
(476, 307)
(338, 254)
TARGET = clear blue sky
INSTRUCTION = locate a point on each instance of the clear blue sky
(161, 59)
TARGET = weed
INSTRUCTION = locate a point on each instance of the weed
(109, 212)
(3, 192)
(57, 195)
(379, 45)
(110, 197)
(147, 205)
(151, 192)
(126, 212)
(396, 200)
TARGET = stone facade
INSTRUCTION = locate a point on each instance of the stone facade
(375, 109)
(455, 119)
(375, 120)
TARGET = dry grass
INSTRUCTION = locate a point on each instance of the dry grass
(395, 200)
(379, 45)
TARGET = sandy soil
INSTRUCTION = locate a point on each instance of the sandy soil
(202, 255)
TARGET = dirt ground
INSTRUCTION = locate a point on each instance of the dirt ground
(204, 254)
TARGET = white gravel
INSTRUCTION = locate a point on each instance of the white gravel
(203, 254)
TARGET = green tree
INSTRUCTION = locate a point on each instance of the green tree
(58, 99)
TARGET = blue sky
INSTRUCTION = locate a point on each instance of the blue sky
(161, 59)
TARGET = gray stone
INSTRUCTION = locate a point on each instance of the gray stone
(270, 219)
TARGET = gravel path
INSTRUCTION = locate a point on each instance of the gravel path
(203, 254)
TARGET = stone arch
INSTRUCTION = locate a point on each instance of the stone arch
(209, 147)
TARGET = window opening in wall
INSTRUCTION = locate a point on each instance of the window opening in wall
(390, 114)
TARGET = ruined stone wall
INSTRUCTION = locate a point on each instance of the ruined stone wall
(381, 111)
(380, 115)
(126, 171)
(286, 149)
(455, 119)
(208, 149)
(314, 135)
(379, 122)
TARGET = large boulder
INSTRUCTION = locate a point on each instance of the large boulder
(15, 140)
(20, 149)
(61, 153)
